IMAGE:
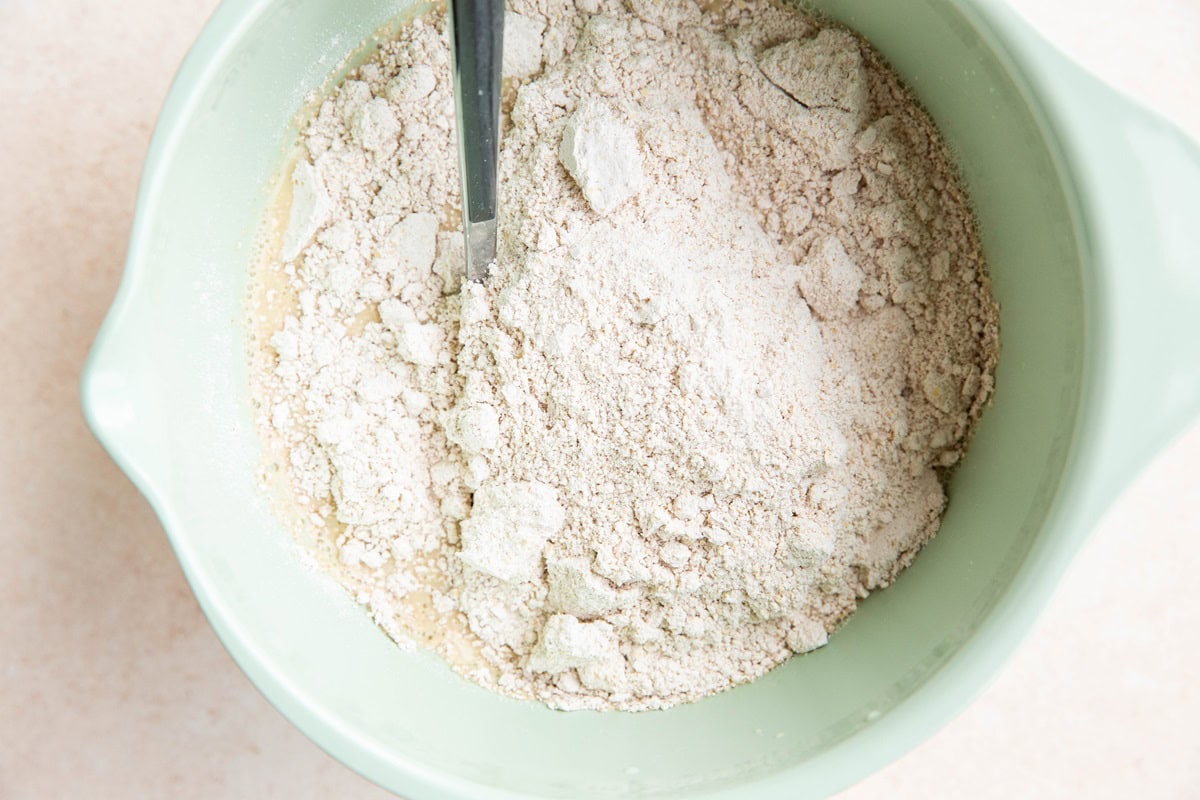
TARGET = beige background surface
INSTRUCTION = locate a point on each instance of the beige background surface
(111, 682)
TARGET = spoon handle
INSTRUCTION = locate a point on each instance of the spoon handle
(477, 44)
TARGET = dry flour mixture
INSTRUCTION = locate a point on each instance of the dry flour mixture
(739, 329)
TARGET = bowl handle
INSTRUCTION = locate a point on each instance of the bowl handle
(117, 393)
(1138, 182)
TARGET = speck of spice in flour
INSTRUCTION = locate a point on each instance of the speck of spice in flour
(739, 331)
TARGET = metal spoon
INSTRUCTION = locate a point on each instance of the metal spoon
(477, 47)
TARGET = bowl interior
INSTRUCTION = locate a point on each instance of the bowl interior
(404, 718)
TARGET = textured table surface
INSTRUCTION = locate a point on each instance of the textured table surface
(113, 685)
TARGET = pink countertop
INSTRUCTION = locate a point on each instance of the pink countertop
(113, 685)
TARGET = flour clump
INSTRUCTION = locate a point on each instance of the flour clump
(738, 331)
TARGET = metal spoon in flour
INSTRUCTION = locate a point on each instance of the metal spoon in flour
(477, 46)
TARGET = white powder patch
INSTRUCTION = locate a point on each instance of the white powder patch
(411, 84)
(829, 280)
(508, 529)
(409, 248)
(310, 209)
(522, 45)
(704, 405)
(826, 70)
(602, 156)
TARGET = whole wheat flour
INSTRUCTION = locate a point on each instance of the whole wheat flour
(704, 404)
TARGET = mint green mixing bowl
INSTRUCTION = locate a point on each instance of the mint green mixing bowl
(1090, 215)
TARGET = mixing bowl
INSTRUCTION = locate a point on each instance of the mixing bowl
(1088, 208)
